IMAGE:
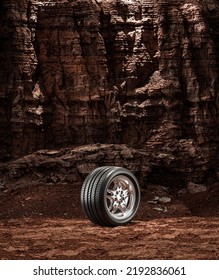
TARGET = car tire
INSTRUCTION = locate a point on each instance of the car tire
(110, 196)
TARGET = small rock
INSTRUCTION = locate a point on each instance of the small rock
(62, 178)
(211, 4)
(38, 175)
(166, 189)
(154, 201)
(53, 179)
(165, 199)
(160, 209)
(182, 191)
(196, 188)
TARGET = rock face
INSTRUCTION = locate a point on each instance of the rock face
(71, 165)
(137, 72)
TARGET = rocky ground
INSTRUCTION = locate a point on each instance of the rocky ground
(45, 221)
(140, 77)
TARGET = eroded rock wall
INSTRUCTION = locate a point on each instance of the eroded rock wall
(143, 73)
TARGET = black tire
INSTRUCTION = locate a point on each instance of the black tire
(110, 196)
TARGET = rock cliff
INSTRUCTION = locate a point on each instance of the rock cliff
(137, 72)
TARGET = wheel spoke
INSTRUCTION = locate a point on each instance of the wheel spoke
(115, 207)
(124, 184)
(115, 182)
(126, 194)
(122, 208)
(110, 197)
(109, 191)
(111, 204)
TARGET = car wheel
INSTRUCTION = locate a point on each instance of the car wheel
(110, 196)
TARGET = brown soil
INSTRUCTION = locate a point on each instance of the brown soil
(46, 222)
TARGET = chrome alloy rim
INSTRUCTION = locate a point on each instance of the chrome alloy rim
(120, 197)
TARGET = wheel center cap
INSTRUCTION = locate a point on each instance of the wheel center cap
(119, 198)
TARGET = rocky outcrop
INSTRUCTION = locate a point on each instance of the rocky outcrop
(71, 165)
(142, 73)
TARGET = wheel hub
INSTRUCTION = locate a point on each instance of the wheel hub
(120, 197)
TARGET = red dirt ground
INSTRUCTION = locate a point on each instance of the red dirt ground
(46, 222)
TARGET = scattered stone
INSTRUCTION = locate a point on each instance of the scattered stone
(160, 209)
(165, 199)
(182, 191)
(164, 188)
(62, 178)
(211, 4)
(162, 199)
(38, 175)
(154, 201)
(53, 179)
(196, 188)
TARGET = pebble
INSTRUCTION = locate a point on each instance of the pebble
(160, 209)
(157, 199)
(165, 199)
(196, 188)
